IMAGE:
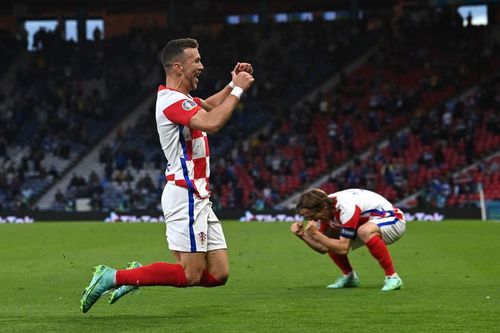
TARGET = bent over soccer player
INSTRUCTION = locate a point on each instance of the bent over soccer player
(194, 234)
(349, 219)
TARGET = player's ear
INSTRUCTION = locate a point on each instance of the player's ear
(178, 67)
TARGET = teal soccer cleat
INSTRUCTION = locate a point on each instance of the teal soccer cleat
(124, 290)
(345, 281)
(102, 281)
(392, 283)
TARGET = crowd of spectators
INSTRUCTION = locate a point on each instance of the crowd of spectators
(407, 82)
(474, 129)
(132, 175)
(64, 98)
(273, 145)
(449, 137)
(462, 189)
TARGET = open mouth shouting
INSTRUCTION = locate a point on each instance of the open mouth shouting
(197, 77)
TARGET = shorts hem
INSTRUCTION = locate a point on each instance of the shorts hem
(178, 249)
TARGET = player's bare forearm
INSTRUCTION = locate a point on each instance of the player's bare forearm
(216, 99)
(314, 244)
(211, 122)
(340, 246)
(297, 228)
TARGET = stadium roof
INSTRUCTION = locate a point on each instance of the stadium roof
(30, 7)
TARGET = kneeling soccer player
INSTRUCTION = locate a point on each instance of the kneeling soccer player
(194, 233)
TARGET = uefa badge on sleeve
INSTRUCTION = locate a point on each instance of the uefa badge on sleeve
(188, 105)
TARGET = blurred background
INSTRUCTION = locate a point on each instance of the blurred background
(399, 97)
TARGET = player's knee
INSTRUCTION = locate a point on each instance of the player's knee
(214, 279)
(219, 281)
(342, 251)
(223, 279)
(193, 277)
(365, 234)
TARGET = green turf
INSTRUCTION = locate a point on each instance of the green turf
(451, 272)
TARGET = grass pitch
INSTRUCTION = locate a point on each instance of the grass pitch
(451, 272)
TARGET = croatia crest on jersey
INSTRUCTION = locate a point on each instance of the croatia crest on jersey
(203, 237)
(188, 105)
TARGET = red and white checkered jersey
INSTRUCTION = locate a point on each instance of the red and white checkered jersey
(186, 149)
(356, 206)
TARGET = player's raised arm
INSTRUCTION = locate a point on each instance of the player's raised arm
(214, 120)
(218, 98)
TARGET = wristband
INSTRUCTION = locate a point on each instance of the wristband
(237, 91)
(231, 84)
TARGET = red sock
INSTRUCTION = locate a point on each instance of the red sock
(157, 274)
(379, 251)
(342, 262)
(208, 280)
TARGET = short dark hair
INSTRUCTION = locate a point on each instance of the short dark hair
(175, 48)
(313, 199)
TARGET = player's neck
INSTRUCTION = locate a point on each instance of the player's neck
(178, 84)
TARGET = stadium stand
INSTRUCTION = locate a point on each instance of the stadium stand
(57, 112)
(394, 120)
(375, 102)
(128, 162)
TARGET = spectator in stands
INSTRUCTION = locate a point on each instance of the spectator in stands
(97, 34)
(468, 18)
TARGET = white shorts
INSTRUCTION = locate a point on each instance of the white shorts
(192, 225)
(392, 227)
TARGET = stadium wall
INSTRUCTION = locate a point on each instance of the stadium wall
(121, 24)
(435, 215)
